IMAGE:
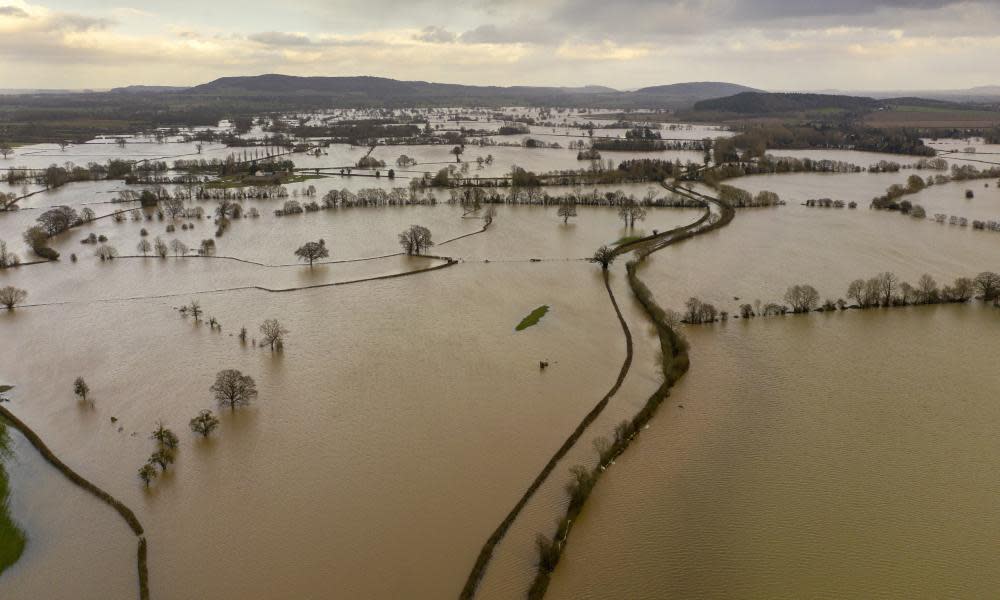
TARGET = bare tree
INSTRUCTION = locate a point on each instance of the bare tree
(232, 389)
(416, 239)
(6, 149)
(161, 247)
(803, 298)
(887, 284)
(144, 247)
(11, 296)
(7, 259)
(604, 256)
(173, 207)
(273, 332)
(179, 247)
(630, 212)
(566, 210)
(856, 291)
(988, 283)
(195, 309)
(312, 251)
(927, 289)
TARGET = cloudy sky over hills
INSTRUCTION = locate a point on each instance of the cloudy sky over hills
(773, 44)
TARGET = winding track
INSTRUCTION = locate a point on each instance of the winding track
(642, 248)
(717, 214)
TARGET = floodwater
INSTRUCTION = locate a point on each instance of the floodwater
(405, 416)
(844, 455)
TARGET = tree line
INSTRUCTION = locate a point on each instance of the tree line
(882, 290)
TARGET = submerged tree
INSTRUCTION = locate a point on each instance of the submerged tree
(273, 332)
(604, 256)
(232, 389)
(166, 438)
(312, 251)
(566, 210)
(162, 457)
(630, 212)
(803, 298)
(179, 247)
(416, 239)
(144, 247)
(205, 423)
(148, 473)
(80, 388)
(195, 309)
(11, 296)
(988, 284)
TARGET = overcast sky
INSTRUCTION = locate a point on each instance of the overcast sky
(770, 44)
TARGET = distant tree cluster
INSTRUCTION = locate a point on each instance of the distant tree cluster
(882, 290)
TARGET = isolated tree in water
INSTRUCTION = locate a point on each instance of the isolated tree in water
(80, 388)
(416, 239)
(566, 210)
(232, 388)
(11, 296)
(605, 256)
(148, 473)
(273, 332)
(144, 247)
(205, 423)
(312, 251)
(195, 309)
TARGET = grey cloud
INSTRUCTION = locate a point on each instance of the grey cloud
(12, 11)
(505, 34)
(435, 34)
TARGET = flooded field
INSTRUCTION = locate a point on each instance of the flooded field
(789, 463)
(405, 416)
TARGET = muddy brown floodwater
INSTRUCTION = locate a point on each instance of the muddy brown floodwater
(817, 456)
(822, 456)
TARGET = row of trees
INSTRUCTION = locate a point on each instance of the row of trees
(882, 290)
(740, 198)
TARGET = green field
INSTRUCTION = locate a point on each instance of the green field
(532, 318)
(11, 537)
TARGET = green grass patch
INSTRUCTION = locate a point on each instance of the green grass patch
(628, 239)
(533, 318)
(12, 539)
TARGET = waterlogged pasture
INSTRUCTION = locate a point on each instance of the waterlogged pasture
(406, 416)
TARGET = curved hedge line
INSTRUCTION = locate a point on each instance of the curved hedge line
(675, 363)
(125, 512)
